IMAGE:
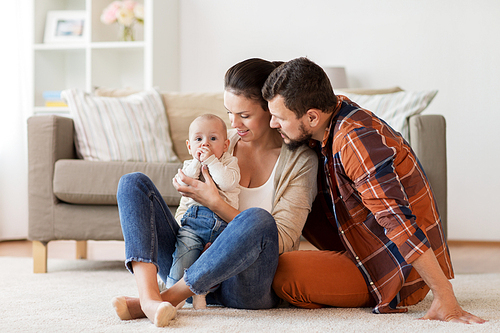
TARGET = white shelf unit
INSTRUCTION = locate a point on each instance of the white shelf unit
(152, 60)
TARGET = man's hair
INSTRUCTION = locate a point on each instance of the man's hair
(303, 85)
(247, 77)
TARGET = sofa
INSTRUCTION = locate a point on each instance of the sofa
(75, 199)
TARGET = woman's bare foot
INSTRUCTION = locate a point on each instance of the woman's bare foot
(160, 313)
(120, 305)
(164, 314)
(127, 308)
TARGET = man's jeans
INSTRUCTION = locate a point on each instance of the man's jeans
(199, 226)
(243, 259)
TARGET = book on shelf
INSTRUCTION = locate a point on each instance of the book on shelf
(52, 95)
(55, 104)
(53, 98)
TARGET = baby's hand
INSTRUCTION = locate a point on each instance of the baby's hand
(203, 154)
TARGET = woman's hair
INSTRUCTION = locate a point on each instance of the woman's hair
(303, 85)
(247, 78)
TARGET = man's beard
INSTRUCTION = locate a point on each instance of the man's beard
(304, 138)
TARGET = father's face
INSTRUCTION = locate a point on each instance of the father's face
(292, 129)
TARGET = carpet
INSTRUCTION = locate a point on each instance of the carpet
(75, 297)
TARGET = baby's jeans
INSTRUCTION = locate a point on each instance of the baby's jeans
(199, 226)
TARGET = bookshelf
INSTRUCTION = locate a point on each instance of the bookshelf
(99, 59)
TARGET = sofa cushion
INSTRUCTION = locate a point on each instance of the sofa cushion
(182, 108)
(395, 108)
(131, 128)
(95, 183)
(368, 91)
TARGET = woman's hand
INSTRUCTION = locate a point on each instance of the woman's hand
(205, 193)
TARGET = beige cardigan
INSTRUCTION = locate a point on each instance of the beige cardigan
(295, 189)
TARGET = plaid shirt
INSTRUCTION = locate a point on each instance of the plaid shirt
(384, 212)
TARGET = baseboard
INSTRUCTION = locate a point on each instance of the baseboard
(473, 243)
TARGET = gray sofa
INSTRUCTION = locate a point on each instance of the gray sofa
(74, 199)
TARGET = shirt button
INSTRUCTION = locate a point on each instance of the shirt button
(371, 283)
(342, 231)
(357, 258)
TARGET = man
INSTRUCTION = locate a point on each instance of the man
(375, 212)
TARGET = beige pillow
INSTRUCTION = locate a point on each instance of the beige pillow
(131, 128)
(394, 108)
(181, 109)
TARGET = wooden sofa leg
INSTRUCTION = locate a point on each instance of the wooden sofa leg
(81, 249)
(39, 257)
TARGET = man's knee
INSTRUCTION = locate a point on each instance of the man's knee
(289, 282)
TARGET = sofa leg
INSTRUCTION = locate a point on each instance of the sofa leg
(81, 249)
(39, 257)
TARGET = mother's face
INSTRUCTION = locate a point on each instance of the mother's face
(246, 116)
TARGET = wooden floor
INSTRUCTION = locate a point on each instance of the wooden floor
(467, 257)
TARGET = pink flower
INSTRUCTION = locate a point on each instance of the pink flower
(126, 12)
(110, 13)
(129, 5)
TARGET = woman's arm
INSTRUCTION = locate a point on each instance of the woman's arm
(205, 193)
(295, 187)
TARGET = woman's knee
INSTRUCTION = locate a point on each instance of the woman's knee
(258, 218)
(129, 182)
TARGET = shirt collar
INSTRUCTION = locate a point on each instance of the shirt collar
(333, 119)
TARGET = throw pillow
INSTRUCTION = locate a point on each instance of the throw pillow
(131, 128)
(394, 108)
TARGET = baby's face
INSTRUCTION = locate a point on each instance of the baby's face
(208, 134)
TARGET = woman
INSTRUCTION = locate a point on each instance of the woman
(277, 190)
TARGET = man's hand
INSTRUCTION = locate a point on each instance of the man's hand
(450, 310)
(445, 306)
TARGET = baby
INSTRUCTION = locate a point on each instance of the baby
(208, 145)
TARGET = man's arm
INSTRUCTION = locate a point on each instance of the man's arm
(380, 185)
(444, 306)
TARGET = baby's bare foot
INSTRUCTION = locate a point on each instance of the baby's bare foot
(199, 302)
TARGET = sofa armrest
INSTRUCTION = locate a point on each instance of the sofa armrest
(428, 140)
(50, 138)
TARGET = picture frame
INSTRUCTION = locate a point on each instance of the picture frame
(65, 26)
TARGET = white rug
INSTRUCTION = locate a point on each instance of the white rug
(75, 297)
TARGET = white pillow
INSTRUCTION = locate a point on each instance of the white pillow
(131, 128)
(394, 108)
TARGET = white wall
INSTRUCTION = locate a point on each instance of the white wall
(13, 142)
(449, 45)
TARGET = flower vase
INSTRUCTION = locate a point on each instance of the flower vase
(126, 33)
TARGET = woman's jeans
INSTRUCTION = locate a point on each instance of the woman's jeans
(199, 226)
(243, 259)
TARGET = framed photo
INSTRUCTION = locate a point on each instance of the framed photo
(65, 26)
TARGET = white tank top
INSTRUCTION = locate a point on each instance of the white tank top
(262, 196)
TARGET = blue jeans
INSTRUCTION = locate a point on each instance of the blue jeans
(243, 259)
(199, 226)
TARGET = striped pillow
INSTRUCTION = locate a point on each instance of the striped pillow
(131, 128)
(394, 108)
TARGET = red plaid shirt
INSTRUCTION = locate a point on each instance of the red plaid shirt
(385, 212)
